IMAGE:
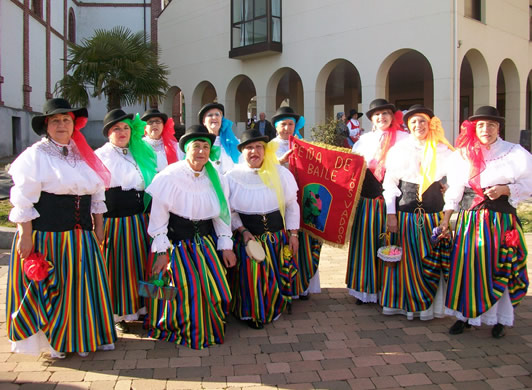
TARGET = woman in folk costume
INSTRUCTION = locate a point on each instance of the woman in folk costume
(264, 204)
(211, 115)
(363, 268)
(307, 280)
(190, 223)
(415, 170)
(159, 133)
(58, 199)
(133, 165)
(487, 179)
(355, 131)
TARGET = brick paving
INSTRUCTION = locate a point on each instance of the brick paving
(328, 342)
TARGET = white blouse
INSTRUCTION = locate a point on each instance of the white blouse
(43, 167)
(179, 190)
(506, 163)
(404, 163)
(249, 195)
(368, 143)
(225, 163)
(125, 172)
(158, 147)
(284, 146)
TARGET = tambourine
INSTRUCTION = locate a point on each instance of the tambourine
(255, 251)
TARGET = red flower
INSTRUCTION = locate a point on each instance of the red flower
(36, 267)
(511, 238)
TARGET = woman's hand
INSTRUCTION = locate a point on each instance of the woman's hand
(497, 191)
(293, 243)
(391, 223)
(98, 227)
(229, 258)
(284, 157)
(246, 235)
(160, 264)
(444, 224)
(25, 239)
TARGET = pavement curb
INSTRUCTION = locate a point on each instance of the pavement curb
(6, 236)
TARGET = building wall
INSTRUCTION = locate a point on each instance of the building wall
(369, 35)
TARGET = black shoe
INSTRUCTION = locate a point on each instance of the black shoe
(255, 324)
(459, 327)
(498, 331)
(122, 327)
(359, 302)
(289, 308)
(304, 297)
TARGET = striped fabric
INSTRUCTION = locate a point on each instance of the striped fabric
(72, 305)
(307, 262)
(482, 265)
(261, 291)
(411, 283)
(196, 318)
(126, 254)
(363, 267)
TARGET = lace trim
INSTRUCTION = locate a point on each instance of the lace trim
(53, 150)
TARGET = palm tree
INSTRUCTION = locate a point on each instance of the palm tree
(116, 63)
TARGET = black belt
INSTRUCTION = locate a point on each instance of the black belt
(500, 204)
(180, 228)
(371, 187)
(122, 203)
(61, 213)
(261, 223)
(408, 202)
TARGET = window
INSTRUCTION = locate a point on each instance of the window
(255, 27)
(473, 9)
(71, 26)
(36, 7)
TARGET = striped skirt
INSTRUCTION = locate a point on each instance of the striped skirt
(485, 262)
(261, 291)
(306, 262)
(126, 247)
(72, 305)
(410, 285)
(196, 317)
(363, 276)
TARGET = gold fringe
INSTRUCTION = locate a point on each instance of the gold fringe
(355, 201)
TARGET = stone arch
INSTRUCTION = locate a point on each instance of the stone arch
(338, 85)
(239, 96)
(474, 83)
(508, 99)
(284, 87)
(174, 105)
(203, 93)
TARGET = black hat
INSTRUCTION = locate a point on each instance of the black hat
(354, 112)
(112, 117)
(52, 107)
(154, 113)
(417, 109)
(195, 131)
(251, 135)
(284, 112)
(207, 107)
(487, 112)
(379, 104)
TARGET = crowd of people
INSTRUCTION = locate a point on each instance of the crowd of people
(217, 219)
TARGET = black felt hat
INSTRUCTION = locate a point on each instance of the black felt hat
(112, 117)
(285, 112)
(195, 131)
(354, 112)
(251, 135)
(154, 113)
(207, 107)
(417, 109)
(379, 104)
(52, 107)
(487, 112)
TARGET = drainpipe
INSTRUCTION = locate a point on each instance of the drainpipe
(456, 109)
(144, 15)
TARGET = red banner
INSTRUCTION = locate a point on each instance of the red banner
(329, 180)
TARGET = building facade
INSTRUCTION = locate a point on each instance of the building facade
(325, 56)
(34, 40)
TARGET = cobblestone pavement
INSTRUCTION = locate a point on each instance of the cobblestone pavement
(327, 343)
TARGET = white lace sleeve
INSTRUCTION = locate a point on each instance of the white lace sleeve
(27, 187)
(158, 226)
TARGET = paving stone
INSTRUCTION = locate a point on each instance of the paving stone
(467, 375)
(276, 348)
(274, 379)
(102, 385)
(144, 384)
(444, 365)
(285, 357)
(332, 385)
(361, 383)
(488, 373)
(250, 369)
(302, 377)
(329, 364)
(391, 370)
(109, 375)
(511, 370)
(417, 368)
(428, 356)
(505, 384)
(29, 376)
(277, 368)
(369, 361)
(384, 382)
(440, 378)
(410, 380)
(193, 372)
(312, 355)
(67, 376)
